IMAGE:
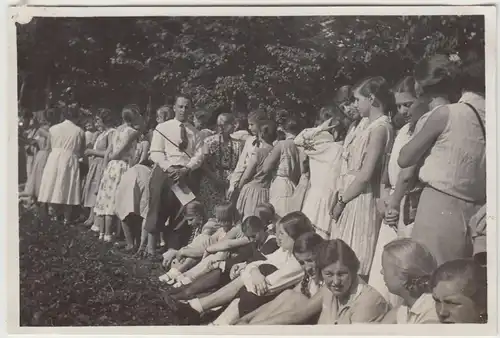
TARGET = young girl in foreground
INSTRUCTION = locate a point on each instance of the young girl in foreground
(407, 267)
(305, 251)
(344, 297)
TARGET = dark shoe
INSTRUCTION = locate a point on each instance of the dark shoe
(186, 313)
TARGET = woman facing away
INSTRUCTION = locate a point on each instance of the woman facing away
(285, 162)
(201, 121)
(459, 289)
(120, 153)
(407, 267)
(404, 95)
(305, 251)
(323, 147)
(221, 153)
(450, 144)
(254, 183)
(46, 119)
(96, 154)
(344, 298)
(362, 168)
(60, 186)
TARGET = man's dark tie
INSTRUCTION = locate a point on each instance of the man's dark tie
(184, 140)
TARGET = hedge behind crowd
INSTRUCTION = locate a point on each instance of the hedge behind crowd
(225, 63)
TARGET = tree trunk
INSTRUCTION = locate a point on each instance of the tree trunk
(21, 91)
(48, 92)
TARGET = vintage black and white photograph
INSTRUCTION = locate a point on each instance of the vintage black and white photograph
(228, 170)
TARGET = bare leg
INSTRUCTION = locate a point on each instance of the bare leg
(222, 296)
(99, 222)
(68, 210)
(127, 231)
(230, 314)
(108, 224)
(199, 285)
(90, 220)
(187, 264)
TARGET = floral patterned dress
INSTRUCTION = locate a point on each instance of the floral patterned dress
(221, 158)
(106, 196)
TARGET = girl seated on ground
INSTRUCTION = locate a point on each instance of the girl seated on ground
(258, 249)
(459, 289)
(304, 250)
(344, 298)
(217, 253)
(260, 279)
(406, 268)
(188, 256)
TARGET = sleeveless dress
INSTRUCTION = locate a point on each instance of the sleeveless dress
(359, 223)
(388, 234)
(454, 172)
(256, 191)
(35, 177)
(287, 176)
(106, 196)
(324, 165)
(96, 168)
(221, 158)
(61, 175)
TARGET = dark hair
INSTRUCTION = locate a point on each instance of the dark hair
(292, 125)
(258, 116)
(472, 76)
(379, 88)
(252, 225)
(336, 114)
(436, 76)
(295, 224)
(203, 115)
(268, 131)
(129, 112)
(336, 250)
(242, 122)
(405, 85)
(27, 114)
(105, 115)
(282, 116)
(266, 212)
(167, 111)
(225, 212)
(183, 96)
(228, 116)
(467, 271)
(307, 242)
(72, 112)
(52, 116)
(343, 94)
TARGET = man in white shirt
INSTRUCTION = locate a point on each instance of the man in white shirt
(251, 144)
(175, 151)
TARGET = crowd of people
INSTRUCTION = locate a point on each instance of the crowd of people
(376, 214)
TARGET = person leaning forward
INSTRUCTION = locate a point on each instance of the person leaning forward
(176, 151)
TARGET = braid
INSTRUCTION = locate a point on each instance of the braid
(304, 285)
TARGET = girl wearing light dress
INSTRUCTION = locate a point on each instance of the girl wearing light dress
(404, 94)
(120, 152)
(451, 144)
(61, 184)
(323, 147)
(42, 137)
(97, 163)
(355, 210)
(284, 163)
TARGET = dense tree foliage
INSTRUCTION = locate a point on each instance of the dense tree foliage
(225, 63)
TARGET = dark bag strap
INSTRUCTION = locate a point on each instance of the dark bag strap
(478, 118)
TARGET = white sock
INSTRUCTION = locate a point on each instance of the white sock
(196, 304)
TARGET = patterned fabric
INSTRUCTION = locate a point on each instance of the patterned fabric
(221, 158)
(359, 223)
(96, 169)
(106, 196)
